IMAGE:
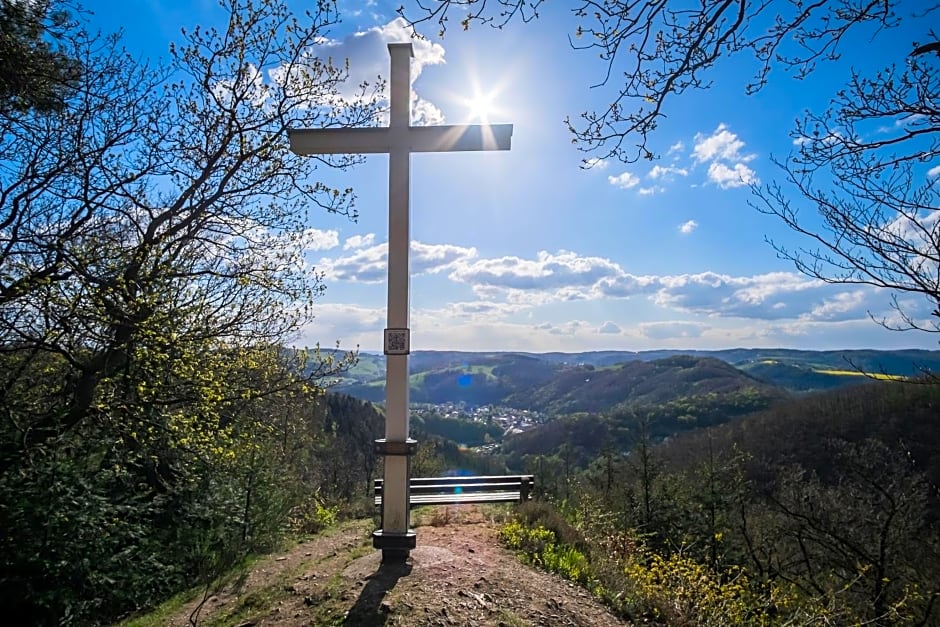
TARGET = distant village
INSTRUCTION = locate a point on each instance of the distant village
(511, 420)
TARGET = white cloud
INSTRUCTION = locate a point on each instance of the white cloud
(596, 163)
(434, 258)
(667, 172)
(676, 147)
(624, 285)
(920, 231)
(548, 271)
(367, 54)
(366, 265)
(570, 327)
(369, 265)
(721, 144)
(649, 191)
(248, 84)
(774, 295)
(521, 299)
(727, 177)
(726, 163)
(315, 239)
(841, 306)
(566, 277)
(624, 181)
(359, 241)
(476, 310)
(434, 329)
(934, 171)
(425, 113)
(429, 330)
(687, 227)
(351, 325)
(712, 308)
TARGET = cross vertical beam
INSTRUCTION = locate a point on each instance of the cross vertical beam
(396, 524)
(399, 139)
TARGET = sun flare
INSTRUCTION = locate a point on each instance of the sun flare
(481, 107)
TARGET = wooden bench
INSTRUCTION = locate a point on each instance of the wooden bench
(456, 490)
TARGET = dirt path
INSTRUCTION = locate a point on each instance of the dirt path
(458, 575)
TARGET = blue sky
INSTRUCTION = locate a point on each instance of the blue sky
(527, 249)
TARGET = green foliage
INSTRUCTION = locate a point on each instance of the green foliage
(154, 431)
(76, 540)
(680, 591)
(545, 515)
(769, 520)
(539, 546)
(797, 377)
(36, 69)
(128, 513)
(312, 516)
(772, 519)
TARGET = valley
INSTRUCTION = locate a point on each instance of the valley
(810, 478)
(521, 404)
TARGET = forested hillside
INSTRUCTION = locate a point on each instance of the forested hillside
(903, 417)
(507, 378)
(819, 509)
(583, 436)
(585, 388)
(527, 382)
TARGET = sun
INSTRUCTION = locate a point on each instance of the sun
(481, 106)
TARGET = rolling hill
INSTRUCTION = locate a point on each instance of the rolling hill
(511, 378)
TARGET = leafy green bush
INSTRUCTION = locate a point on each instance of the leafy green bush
(313, 515)
(681, 591)
(539, 546)
(545, 514)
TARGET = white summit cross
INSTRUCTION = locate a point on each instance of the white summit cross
(399, 139)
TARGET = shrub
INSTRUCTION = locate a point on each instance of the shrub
(539, 546)
(681, 591)
(313, 515)
(544, 514)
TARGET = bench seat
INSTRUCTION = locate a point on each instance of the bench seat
(457, 490)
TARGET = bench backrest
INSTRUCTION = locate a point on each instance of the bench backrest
(478, 485)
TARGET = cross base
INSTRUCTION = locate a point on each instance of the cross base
(395, 546)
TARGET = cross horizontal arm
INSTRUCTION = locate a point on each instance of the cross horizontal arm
(322, 141)
(459, 137)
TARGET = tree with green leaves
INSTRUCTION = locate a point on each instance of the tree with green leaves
(153, 226)
(861, 184)
(36, 69)
(162, 210)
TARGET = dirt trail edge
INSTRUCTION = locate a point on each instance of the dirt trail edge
(458, 575)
